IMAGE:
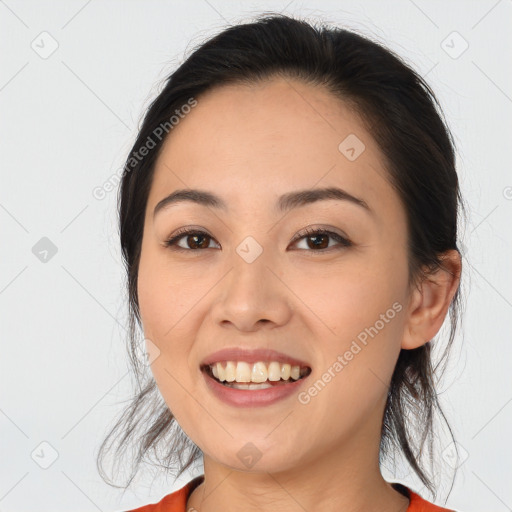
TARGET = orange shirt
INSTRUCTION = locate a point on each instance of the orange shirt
(177, 501)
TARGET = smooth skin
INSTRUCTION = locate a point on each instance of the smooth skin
(249, 145)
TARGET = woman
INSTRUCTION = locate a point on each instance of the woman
(288, 219)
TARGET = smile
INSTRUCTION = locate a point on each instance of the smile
(246, 384)
(238, 373)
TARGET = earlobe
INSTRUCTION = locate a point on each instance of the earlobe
(430, 302)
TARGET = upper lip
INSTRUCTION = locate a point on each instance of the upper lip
(252, 356)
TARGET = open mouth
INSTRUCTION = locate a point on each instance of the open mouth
(240, 375)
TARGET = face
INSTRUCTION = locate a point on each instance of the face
(337, 306)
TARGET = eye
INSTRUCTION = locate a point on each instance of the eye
(318, 239)
(195, 239)
(314, 238)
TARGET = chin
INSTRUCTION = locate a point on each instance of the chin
(258, 457)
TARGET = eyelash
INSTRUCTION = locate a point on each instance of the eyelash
(344, 242)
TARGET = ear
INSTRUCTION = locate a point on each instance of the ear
(430, 301)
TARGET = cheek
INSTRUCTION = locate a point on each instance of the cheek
(346, 297)
(166, 295)
(362, 304)
(161, 308)
(164, 302)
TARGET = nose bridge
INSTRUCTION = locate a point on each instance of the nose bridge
(252, 292)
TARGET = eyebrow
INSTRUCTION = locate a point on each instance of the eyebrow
(285, 203)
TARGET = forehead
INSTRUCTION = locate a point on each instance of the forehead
(257, 142)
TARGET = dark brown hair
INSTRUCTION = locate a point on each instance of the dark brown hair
(404, 117)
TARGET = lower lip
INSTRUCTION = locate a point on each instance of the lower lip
(252, 398)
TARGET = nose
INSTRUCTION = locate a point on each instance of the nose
(252, 296)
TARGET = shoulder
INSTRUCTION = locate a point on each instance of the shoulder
(418, 504)
(174, 502)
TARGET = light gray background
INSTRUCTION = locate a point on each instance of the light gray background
(67, 122)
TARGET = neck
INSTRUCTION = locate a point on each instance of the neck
(345, 478)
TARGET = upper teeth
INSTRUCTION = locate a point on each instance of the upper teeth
(241, 371)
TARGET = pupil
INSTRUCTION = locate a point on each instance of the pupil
(322, 246)
(195, 237)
